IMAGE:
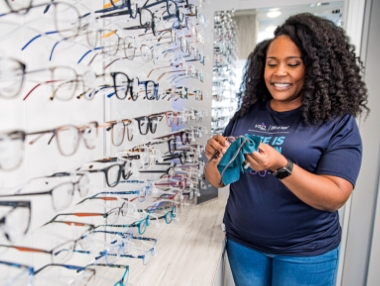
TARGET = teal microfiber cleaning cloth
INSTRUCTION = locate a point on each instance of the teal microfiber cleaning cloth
(232, 161)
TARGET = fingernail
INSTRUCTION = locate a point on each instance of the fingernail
(224, 150)
(226, 143)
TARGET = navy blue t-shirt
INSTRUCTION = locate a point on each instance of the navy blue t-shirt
(261, 212)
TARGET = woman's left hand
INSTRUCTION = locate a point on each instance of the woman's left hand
(266, 158)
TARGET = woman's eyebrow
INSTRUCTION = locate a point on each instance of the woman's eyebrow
(290, 57)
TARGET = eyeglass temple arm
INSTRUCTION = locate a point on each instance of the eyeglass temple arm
(152, 70)
(163, 74)
(139, 27)
(119, 13)
(71, 267)
(55, 46)
(108, 8)
(26, 249)
(153, 171)
(79, 96)
(36, 86)
(36, 37)
(40, 135)
(115, 60)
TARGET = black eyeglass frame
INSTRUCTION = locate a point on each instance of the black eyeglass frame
(152, 127)
(14, 205)
(128, 87)
(48, 192)
(121, 172)
(125, 3)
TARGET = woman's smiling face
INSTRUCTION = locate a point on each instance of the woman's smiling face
(284, 74)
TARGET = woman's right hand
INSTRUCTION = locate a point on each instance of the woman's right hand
(216, 143)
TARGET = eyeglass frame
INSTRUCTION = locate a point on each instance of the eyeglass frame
(48, 192)
(105, 172)
(55, 131)
(150, 119)
(15, 204)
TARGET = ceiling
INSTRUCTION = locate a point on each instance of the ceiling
(266, 25)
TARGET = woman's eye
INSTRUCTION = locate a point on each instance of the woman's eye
(271, 64)
(294, 64)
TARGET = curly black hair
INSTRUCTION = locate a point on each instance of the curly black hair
(333, 84)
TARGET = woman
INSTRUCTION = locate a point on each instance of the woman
(302, 92)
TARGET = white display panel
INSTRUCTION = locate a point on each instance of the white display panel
(64, 65)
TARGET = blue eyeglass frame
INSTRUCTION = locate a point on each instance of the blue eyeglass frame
(33, 272)
(29, 269)
(148, 192)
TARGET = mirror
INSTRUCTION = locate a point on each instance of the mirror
(236, 33)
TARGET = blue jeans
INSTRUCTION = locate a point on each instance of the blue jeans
(253, 268)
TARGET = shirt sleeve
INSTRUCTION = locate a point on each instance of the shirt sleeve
(343, 154)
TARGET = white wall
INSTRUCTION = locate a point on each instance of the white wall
(37, 113)
(362, 255)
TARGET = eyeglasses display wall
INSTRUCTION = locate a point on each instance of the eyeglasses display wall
(100, 126)
(224, 102)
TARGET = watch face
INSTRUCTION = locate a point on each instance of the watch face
(285, 171)
(282, 173)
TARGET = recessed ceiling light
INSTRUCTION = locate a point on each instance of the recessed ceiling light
(273, 14)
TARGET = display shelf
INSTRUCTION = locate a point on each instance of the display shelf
(189, 252)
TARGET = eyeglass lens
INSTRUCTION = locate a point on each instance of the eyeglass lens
(16, 223)
(68, 139)
(11, 77)
(11, 150)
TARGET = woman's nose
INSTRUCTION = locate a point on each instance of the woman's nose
(281, 70)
